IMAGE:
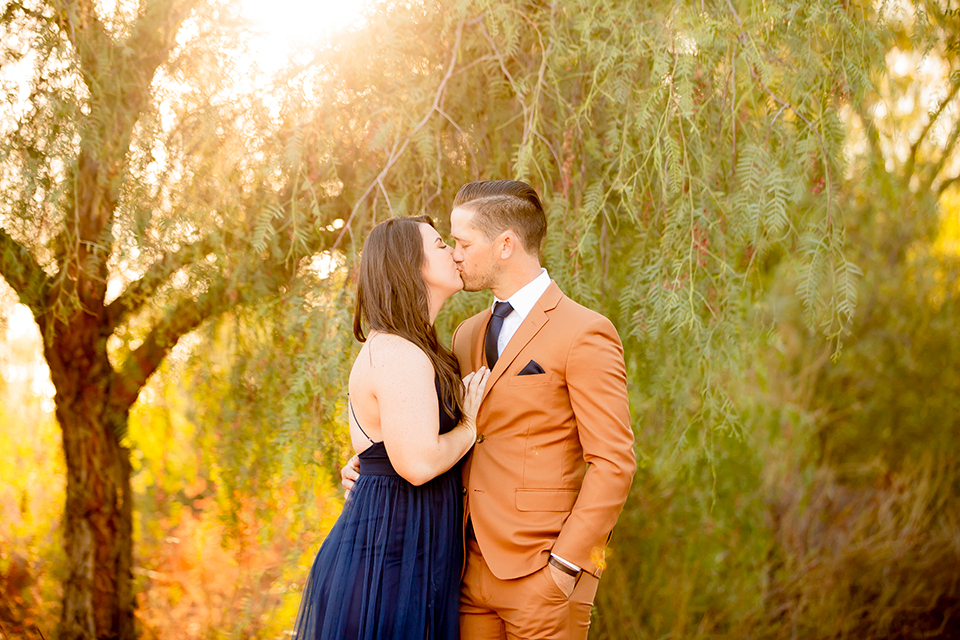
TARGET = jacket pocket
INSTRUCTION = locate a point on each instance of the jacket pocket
(532, 380)
(559, 500)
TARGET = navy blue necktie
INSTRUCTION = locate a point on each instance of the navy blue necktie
(500, 311)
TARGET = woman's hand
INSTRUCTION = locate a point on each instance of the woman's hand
(350, 474)
(474, 384)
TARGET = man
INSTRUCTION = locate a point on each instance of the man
(553, 461)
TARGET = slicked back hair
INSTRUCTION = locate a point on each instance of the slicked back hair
(498, 205)
(392, 298)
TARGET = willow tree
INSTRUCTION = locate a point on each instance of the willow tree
(683, 150)
(680, 148)
(143, 191)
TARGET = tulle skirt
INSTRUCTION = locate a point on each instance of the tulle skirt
(390, 568)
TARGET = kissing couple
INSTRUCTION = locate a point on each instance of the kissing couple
(478, 507)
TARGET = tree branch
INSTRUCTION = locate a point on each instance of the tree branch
(140, 291)
(398, 147)
(119, 76)
(225, 293)
(21, 271)
(915, 147)
(79, 22)
(946, 184)
(944, 156)
(870, 131)
(875, 159)
(17, 6)
(145, 359)
(154, 34)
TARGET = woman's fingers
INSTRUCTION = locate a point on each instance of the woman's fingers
(349, 474)
(474, 384)
(480, 378)
(473, 376)
(477, 378)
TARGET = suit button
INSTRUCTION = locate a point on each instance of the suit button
(480, 438)
(464, 491)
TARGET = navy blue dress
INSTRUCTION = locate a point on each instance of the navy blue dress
(390, 567)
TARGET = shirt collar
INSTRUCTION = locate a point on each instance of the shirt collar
(523, 300)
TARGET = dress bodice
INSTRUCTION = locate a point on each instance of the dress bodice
(374, 460)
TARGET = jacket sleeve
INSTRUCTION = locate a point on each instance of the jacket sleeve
(460, 348)
(597, 385)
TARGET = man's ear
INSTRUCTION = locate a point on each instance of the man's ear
(506, 244)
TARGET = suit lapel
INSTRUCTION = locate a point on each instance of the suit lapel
(477, 359)
(529, 328)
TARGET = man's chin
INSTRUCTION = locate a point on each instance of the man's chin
(467, 286)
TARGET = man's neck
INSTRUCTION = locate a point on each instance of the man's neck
(512, 282)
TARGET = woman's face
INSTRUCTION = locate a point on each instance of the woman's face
(439, 270)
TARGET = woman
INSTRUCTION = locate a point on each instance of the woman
(390, 567)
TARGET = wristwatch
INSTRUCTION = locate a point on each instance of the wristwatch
(570, 569)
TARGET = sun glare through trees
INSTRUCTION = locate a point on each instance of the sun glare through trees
(283, 26)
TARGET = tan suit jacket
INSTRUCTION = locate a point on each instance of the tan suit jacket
(554, 456)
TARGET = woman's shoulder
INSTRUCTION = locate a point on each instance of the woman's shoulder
(389, 351)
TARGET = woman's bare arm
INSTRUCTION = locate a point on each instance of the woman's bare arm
(402, 380)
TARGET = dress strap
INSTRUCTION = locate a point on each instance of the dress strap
(350, 404)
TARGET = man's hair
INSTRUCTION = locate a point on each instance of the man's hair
(498, 205)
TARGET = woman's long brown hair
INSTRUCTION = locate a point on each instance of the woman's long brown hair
(392, 298)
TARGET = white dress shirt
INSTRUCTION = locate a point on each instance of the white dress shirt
(522, 302)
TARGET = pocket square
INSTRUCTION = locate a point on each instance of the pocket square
(531, 369)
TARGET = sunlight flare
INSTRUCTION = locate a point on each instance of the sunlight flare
(285, 23)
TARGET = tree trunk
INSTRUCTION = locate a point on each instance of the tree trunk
(98, 597)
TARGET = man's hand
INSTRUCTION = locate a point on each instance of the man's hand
(564, 582)
(350, 474)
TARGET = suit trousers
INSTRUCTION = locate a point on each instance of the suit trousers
(528, 608)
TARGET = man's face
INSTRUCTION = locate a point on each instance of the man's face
(476, 257)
